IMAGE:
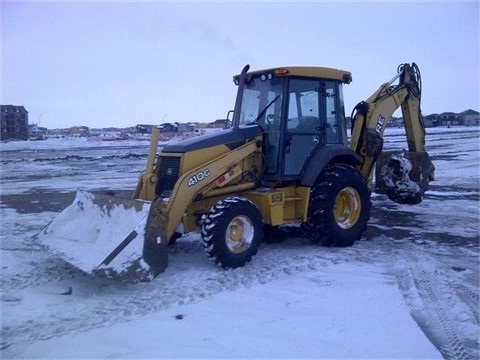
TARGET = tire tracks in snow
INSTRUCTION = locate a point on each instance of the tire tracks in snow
(447, 314)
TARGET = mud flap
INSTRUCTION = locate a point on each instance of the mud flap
(403, 175)
(101, 234)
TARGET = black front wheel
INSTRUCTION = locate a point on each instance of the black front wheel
(232, 232)
(339, 207)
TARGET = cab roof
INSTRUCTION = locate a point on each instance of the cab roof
(304, 71)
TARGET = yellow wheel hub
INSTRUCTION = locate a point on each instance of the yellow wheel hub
(239, 234)
(347, 208)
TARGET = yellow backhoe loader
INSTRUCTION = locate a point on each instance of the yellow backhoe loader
(285, 159)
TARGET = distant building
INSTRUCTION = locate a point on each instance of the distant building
(450, 118)
(78, 131)
(467, 118)
(396, 122)
(185, 128)
(14, 122)
(470, 117)
(431, 120)
(36, 132)
(144, 128)
(168, 128)
(221, 123)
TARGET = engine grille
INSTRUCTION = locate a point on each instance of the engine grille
(168, 174)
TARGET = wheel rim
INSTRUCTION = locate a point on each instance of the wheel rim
(347, 208)
(239, 234)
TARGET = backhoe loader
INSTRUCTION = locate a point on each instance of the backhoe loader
(285, 159)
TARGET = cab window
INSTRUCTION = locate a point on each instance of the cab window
(332, 114)
(304, 107)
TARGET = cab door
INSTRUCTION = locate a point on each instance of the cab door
(312, 121)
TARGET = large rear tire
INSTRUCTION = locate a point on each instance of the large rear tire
(339, 207)
(232, 232)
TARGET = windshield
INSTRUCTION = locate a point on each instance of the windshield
(261, 101)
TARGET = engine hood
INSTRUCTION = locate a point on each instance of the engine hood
(230, 137)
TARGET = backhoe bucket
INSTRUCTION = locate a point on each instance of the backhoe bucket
(403, 175)
(103, 234)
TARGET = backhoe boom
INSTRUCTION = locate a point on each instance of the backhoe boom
(370, 119)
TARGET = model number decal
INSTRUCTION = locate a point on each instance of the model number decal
(195, 179)
(380, 122)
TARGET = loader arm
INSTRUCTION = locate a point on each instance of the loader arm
(371, 117)
(166, 213)
(147, 180)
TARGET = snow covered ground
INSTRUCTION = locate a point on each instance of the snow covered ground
(408, 289)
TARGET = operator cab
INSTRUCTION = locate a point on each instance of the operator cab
(300, 109)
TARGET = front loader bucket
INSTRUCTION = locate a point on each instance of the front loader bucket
(103, 234)
(403, 175)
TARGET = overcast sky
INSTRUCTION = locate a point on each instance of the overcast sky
(123, 63)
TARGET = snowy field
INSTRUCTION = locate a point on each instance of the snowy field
(408, 289)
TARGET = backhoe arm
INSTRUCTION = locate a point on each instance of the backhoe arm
(370, 118)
